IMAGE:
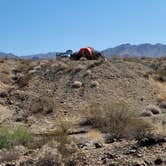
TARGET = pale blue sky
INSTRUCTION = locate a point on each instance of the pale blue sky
(35, 26)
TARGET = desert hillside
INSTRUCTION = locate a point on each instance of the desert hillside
(63, 112)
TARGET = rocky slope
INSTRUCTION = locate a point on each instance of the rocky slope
(40, 94)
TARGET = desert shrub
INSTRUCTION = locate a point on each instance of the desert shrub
(66, 146)
(5, 78)
(95, 63)
(10, 137)
(162, 72)
(48, 161)
(42, 105)
(62, 136)
(21, 136)
(2, 60)
(24, 66)
(116, 120)
(138, 128)
(132, 59)
(114, 57)
(8, 156)
(23, 80)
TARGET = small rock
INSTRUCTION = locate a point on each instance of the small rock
(77, 84)
(139, 155)
(158, 161)
(88, 72)
(3, 94)
(37, 67)
(163, 105)
(132, 151)
(71, 163)
(78, 68)
(98, 145)
(146, 114)
(151, 140)
(154, 109)
(8, 164)
(109, 156)
(32, 72)
(83, 59)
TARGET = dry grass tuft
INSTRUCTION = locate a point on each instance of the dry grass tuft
(8, 156)
(116, 120)
(42, 105)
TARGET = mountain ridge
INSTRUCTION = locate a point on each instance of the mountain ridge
(127, 49)
(145, 49)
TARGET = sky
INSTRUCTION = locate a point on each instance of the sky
(40, 26)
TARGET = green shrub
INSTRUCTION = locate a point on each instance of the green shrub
(162, 72)
(10, 137)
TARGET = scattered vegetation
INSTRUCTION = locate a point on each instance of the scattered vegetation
(42, 105)
(161, 72)
(117, 120)
(10, 137)
(24, 66)
(66, 146)
(9, 155)
(23, 81)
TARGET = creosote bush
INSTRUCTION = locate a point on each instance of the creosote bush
(62, 137)
(42, 105)
(23, 80)
(116, 120)
(10, 137)
(9, 155)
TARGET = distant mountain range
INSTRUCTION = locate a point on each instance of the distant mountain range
(8, 55)
(147, 50)
(49, 55)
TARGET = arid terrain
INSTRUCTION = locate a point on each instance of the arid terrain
(64, 112)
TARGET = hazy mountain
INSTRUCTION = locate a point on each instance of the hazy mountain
(7, 55)
(49, 55)
(148, 50)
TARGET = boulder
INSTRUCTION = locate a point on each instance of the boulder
(94, 84)
(77, 84)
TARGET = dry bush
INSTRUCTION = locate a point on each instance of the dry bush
(42, 105)
(138, 128)
(24, 66)
(2, 60)
(8, 156)
(62, 136)
(162, 72)
(132, 59)
(48, 160)
(116, 120)
(23, 80)
(5, 78)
